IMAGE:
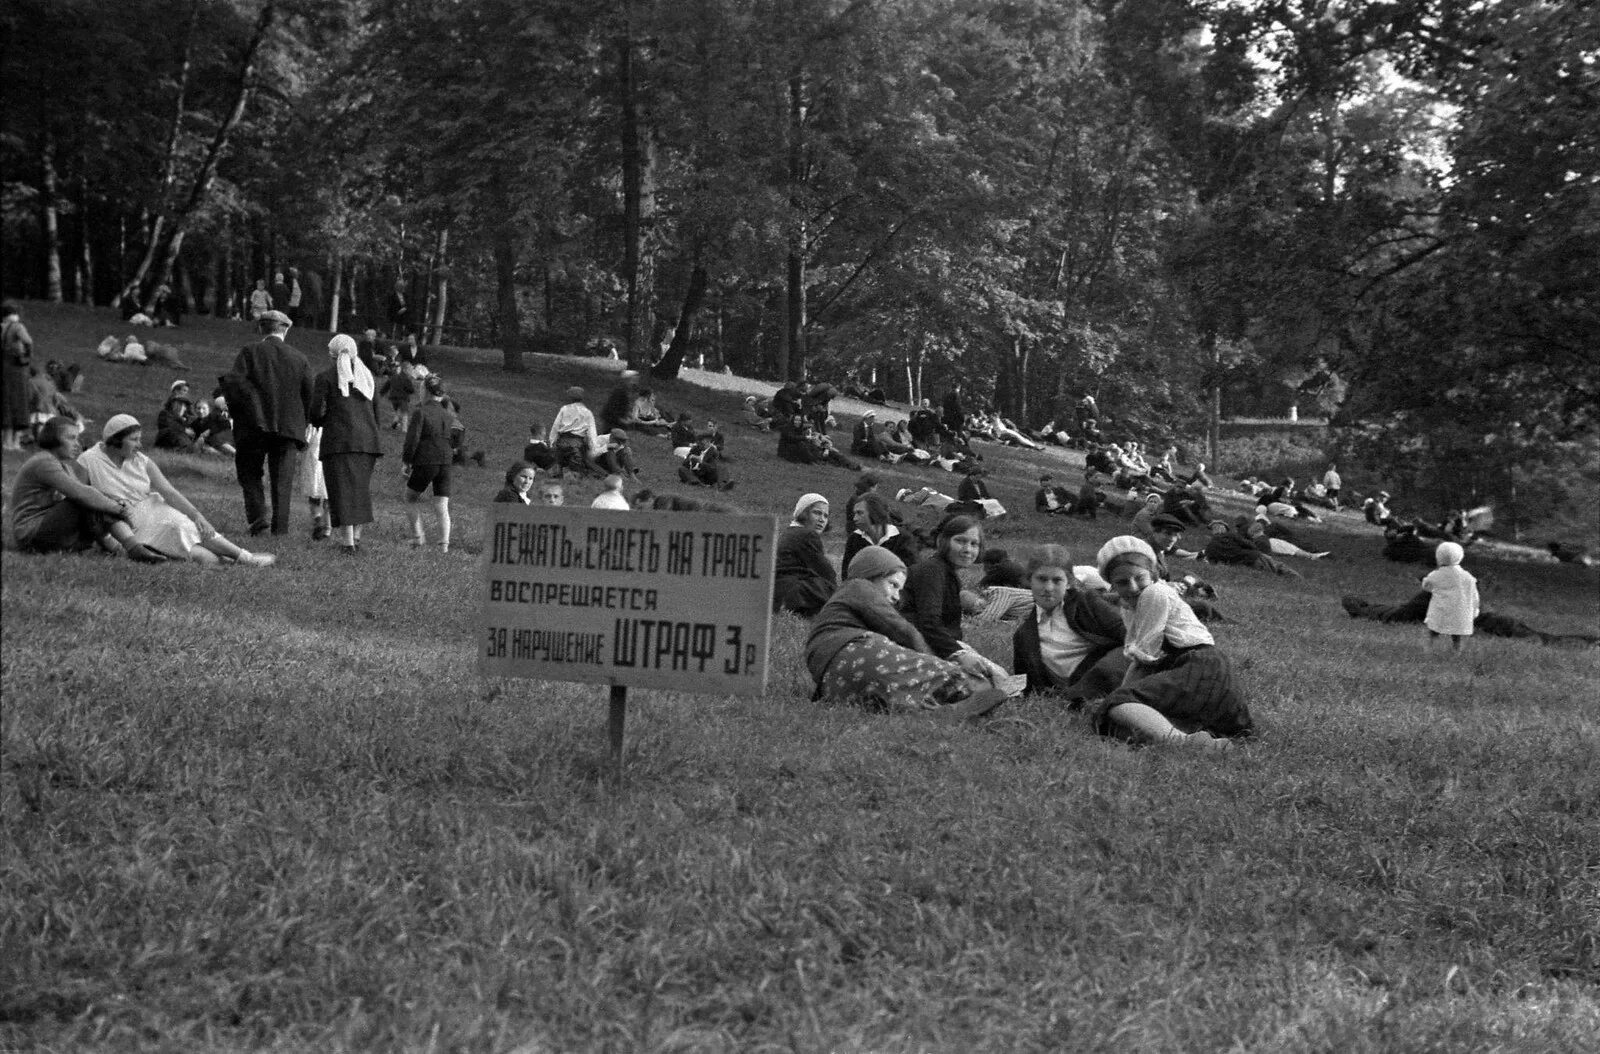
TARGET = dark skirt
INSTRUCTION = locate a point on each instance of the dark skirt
(349, 480)
(801, 594)
(879, 674)
(15, 395)
(1194, 689)
(65, 527)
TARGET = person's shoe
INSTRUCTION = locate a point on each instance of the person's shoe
(1204, 740)
(259, 527)
(418, 543)
(250, 559)
(973, 706)
(144, 554)
(479, 457)
(350, 550)
(1317, 556)
(319, 532)
(726, 484)
(444, 547)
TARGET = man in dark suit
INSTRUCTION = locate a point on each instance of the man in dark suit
(272, 432)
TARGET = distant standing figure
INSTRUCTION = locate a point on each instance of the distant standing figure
(16, 348)
(342, 406)
(296, 295)
(269, 394)
(399, 310)
(260, 300)
(1332, 483)
(1453, 600)
(280, 292)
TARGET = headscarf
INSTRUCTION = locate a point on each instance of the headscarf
(803, 506)
(1123, 543)
(351, 370)
(1449, 554)
(873, 561)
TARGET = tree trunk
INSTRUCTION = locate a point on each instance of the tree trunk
(507, 321)
(1214, 410)
(667, 369)
(244, 87)
(51, 221)
(85, 267)
(792, 351)
(441, 301)
(336, 269)
(638, 206)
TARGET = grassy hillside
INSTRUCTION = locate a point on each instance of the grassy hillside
(276, 809)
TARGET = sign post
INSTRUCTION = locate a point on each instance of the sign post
(673, 600)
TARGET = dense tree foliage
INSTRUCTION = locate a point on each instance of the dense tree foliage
(1185, 207)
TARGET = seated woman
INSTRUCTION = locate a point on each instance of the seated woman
(173, 422)
(1230, 546)
(212, 426)
(519, 484)
(54, 509)
(973, 497)
(1178, 689)
(874, 526)
(757, 413)
(644, 416)
(1051, 498)
(1070, 639)
(933, 597)
(162, 519)
(861, 650)
(537, 451)
(803, 577)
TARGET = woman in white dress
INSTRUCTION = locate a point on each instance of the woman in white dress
(162, 519)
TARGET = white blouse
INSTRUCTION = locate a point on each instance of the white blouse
(1160, 614)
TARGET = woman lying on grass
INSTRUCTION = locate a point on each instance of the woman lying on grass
(162, 519)
(54, 509)
(1179, 689)
(862, 650)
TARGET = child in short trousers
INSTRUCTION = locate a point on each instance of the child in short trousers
(427, 455)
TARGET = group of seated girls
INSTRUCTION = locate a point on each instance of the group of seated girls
(194, 426)
(890, 637)
(112, 495)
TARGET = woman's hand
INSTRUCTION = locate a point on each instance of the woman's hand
(207, 532)
(971, 662)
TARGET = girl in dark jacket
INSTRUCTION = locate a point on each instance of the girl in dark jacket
(933, 597)
(804, 579)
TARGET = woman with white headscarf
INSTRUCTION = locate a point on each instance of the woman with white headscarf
(804, 577)
(342, 406)
(1179, 688)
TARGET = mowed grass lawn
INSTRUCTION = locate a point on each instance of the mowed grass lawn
(277, 809)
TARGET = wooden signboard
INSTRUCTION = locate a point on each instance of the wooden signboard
(671, 600)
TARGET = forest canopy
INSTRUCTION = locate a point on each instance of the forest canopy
(1386, 210)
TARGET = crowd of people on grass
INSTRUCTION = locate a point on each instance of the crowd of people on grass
(1124, 636)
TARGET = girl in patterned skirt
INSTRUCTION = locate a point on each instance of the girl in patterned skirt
(862, 650)
(1179, 688)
